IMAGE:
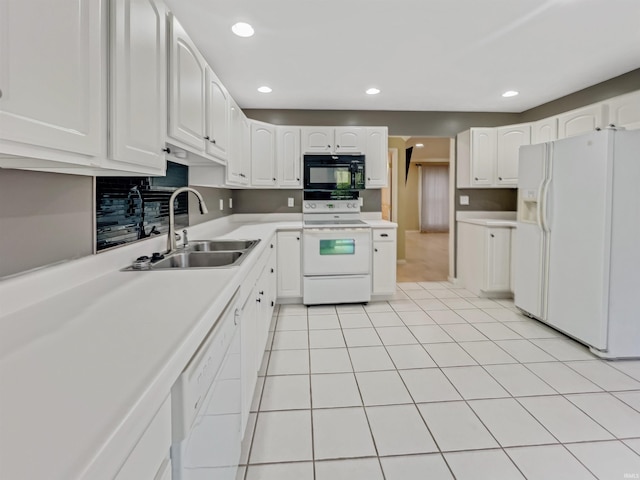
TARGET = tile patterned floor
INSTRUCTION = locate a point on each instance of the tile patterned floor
(437, 384)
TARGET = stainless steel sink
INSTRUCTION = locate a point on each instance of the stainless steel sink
(220, 245)
(199, 260)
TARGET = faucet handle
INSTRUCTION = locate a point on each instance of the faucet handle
(185, 239)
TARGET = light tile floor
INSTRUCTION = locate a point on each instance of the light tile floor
(437, 384)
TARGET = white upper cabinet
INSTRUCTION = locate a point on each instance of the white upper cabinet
(509, 141)
(349, 139)
(138, 85)
(217, 117)
(582, 120)
(483, 154)
(317, 140)
(376, 157)
(288, 155)
(52, 75)
(237, 171)
(186, 90)
(544, 130)
(624, 111)
(263, 155)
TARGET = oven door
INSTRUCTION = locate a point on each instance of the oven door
(336, 251)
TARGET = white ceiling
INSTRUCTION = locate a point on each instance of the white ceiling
(443, 55)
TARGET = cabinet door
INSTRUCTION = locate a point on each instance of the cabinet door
(289, 265)
(288, 156)
(52, 74)
(235, 159)
(483, 155)
(217, 117)
(384, 268)
(186, 90)
(138, 83)
(582, 120)
(509, 141)
(263, 154)
(350, 139)
(248, 354)
(624, 111)
(376, 157)
(498, 266)
(544, 130)
(317, 140)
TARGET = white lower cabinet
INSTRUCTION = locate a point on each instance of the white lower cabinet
(150, 457)
(384, 261)
(484, 259)
(289, 264)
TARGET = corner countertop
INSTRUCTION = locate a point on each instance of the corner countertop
(490, 222)
(84, 371)
(488, 219)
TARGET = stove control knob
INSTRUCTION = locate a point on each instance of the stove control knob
(349, 205)
(313, 205)
(306, 205)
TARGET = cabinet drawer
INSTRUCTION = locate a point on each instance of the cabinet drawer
(384, 235)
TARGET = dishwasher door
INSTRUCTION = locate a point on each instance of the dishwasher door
(206, 427)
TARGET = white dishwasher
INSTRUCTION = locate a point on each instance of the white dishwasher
(206, 405)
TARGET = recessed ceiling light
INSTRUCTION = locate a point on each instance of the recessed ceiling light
(373, 91)
(242, 29)
(510, 93)
(265, 89)
(419, 145)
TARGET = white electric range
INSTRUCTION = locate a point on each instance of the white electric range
(336, 252)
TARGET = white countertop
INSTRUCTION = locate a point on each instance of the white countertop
(83, 371)
(490, 222)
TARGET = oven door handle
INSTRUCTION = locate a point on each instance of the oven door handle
(336, 229)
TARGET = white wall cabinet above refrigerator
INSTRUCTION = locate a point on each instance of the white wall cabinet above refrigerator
(582, 120)
(624, 111)
(544, 130)
(509, 140)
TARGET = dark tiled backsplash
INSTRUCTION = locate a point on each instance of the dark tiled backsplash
(133, 208)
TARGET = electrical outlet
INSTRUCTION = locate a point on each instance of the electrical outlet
(290, 202)
(361, 201)
(231, 203)
(221, 204)
(464, 199)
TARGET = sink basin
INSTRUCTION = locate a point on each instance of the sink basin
(199, 260)
(220, 245)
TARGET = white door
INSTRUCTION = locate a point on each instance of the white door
(288, 157)
(544, 130)
(186, 90)
(339, 251)
(376, 157)
(317, 140)
(577, 208)
(581, 120)
(217, 116)
(624, 111)
(263, 154)
(509, 141)
(349, 139)
(483, 154)
(289, 267)
(52, 78)
(530, 240)
(498, 267)
(138, 83)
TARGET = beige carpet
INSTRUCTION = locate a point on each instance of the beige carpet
(427, 256)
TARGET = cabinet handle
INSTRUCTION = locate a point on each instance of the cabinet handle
(476, 179)
(273, 179)
(207, 137)
(368, 178)
(337, 146)
(375, 249)
(297, 179)
(297, 238)
(500, 178)
(272, 245)
(213, 141)
(261, 292)
(273, 304)
(258, 300)
(272, 270)
(0, 93)
(328, 146)
(166, 150)
(384, 234)
(492, 235)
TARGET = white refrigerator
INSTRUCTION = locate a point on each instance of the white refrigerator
(577, 252)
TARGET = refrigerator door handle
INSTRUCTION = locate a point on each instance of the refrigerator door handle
(544, 199)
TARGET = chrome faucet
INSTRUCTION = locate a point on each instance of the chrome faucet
(171, 236)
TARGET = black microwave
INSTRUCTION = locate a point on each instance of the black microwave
(334, 172)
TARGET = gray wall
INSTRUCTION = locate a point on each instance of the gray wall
(44, 218)
(488, 199)
(626, 83)
(275, 201)
(212, 197)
